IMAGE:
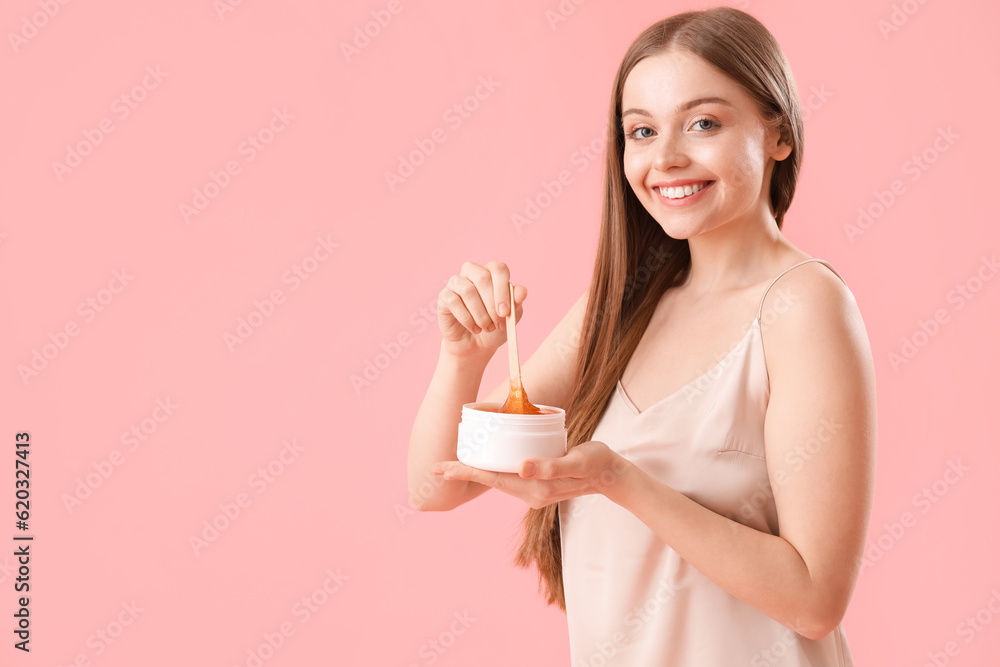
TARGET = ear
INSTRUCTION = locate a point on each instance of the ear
(779, 145)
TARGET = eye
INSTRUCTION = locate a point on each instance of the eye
(635, 133)
(711, 124)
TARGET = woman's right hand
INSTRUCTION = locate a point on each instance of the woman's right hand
(473, 307)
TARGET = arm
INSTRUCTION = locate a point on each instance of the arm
(435, 433)
(822, 389)
(456, 381)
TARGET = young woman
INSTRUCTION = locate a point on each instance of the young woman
(719, 387)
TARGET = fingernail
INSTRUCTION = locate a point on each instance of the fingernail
(529, 470)
(503, 310)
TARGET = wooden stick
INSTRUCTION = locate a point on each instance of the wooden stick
(515, 368)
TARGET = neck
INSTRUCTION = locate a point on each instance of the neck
(734, 255)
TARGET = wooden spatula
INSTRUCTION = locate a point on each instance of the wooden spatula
(517, 399)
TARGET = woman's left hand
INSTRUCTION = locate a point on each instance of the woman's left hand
(590, 467)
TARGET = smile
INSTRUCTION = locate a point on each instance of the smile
(683, 191)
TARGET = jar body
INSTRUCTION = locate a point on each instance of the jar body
(501, 442)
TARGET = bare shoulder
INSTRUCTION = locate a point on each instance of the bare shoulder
(810, 319)
(548, 374)
(809, 297)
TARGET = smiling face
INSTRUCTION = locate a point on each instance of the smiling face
(697, 154)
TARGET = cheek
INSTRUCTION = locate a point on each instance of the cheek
(744, 167)
(635, 171)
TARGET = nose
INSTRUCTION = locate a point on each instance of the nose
(670, 152)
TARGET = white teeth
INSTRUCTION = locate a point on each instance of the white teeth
(682, 191)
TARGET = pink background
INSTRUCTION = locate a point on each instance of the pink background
(337, 503)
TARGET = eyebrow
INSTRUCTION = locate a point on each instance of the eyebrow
(685, 106)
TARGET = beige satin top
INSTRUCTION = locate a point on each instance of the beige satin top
(631, 601)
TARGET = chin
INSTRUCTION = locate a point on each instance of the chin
(677, 228)
(678, 233)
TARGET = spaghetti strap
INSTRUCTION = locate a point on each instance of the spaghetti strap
(760, 309)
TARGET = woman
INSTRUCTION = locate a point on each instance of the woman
(658, 531)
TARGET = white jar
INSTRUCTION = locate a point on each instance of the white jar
(501, 442)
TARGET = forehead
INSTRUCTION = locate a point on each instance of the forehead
(659, 83)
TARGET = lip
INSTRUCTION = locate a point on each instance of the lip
(684, 201)
(686, 181)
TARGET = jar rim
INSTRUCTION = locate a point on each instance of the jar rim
(557, 416)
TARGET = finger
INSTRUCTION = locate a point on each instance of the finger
(500, 275)
(520, 294)
(471, 299)
(440, 467)
(554, 468)
(461, 471)
(482, 278)
(450, 303)
(479, 278)
(449, 469)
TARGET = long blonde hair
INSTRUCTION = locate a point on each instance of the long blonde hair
(624, 291)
